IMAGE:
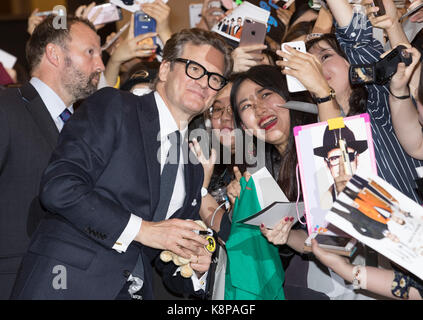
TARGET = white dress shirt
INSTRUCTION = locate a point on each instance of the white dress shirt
(167, 126)
(52, 101)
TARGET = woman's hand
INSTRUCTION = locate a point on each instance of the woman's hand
(280, 233)
(306, 68)
(400, 80)
(387, 20)
(133, 47)
(234, 188)
(84, 11)
(210, 15)
(418, 16)
(34, 21)
(208, 164)
(245, 57)
(160, 11)
(330, 260)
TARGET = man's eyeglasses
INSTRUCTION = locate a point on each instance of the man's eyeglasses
(334, 160)
(196, 71)
(216, 112)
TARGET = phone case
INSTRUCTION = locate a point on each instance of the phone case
(109, 13)
(144, 24)
(294, 85)
(382, 11)
(253, 32)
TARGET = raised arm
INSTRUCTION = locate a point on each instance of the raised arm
(405, 117)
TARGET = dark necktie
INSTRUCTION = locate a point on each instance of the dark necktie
(65, 115)
(168, 177)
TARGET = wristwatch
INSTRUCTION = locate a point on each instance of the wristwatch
(331, 96)
(203, 192)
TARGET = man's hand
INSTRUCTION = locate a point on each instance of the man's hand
(200, 263)
(175, 235)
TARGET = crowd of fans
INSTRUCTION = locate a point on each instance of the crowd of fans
(255, 91)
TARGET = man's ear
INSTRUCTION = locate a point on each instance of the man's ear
(53, 54)
(164, 70)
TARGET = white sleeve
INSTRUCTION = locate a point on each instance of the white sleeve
(128, 235)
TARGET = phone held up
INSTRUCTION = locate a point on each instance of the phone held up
(339, 245)
(144, 24)
(109, 13)
(382, 71)
(294, 85)
(379, 4)
(253, 32)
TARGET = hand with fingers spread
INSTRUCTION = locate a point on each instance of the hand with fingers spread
(175, 235)
(306, 68)
(234, 188)
(246, 57)
(280, 233)
(159, 11)
(34, 21)
(208, 164)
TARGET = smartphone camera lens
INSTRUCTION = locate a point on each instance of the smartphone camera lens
(405, 54)
(128, 2)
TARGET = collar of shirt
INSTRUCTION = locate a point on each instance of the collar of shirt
(167, 122)
(52, 101)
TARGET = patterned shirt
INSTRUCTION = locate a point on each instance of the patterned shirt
(394, 165)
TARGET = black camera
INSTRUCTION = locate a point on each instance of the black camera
(382, 71)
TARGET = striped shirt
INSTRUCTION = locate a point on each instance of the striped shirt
(394, 165)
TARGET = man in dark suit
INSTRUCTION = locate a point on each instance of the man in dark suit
(113, 203)
(30, 120)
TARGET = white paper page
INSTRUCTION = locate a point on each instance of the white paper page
(7, 59)
(268, 190)
(271, 217)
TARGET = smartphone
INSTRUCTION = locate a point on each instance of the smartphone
(411, 12)
(339, 245)
(294, 85)
(109, 13)
(382, 11)
(253, 32)
(144, 24)
(115, 37)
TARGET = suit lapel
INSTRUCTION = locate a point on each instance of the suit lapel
(38, 111)
(148, 117)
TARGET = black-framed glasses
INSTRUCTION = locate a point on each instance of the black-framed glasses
(334, 160)
(216, 112)
(196, 71)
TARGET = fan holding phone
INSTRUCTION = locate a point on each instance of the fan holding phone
(132, 47)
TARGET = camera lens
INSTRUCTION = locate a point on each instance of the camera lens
(128, 2)
(405, 54)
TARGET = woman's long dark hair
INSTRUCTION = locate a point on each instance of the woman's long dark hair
(359, 94)
(271, 78)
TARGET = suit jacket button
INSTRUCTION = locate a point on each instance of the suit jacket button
(126, 273)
